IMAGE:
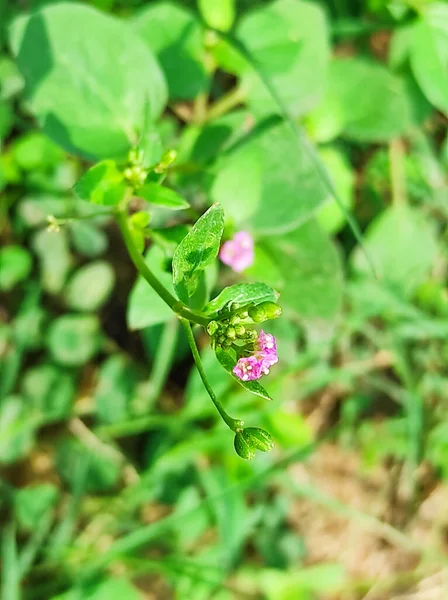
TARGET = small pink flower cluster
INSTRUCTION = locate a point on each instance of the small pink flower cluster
(253, 367)
(238, 253)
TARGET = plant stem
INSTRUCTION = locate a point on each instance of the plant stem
(225, 104)
(176, 305)
(233, 424)
(397, 172)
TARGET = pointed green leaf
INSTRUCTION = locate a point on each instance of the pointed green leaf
(102, 184)
(196, 251)
(162, 196)
(242, 293)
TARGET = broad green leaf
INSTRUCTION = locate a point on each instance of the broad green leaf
(197, 251)
(289, 41)
(372, 100)
(74, 339)
(102, 184)
(289, 188)
(90, 287)
(429, 57)
(144, 306)
(49, 390)
(32, 502)
(176, 37)
(228, 360)
(308, 272)
(54, 258)
(15, 266)
(242, 293)
(238, 183)
(16, 429)
(34, 151)
(402, 245)
(218, 15)
(330, 216)
(11, 82)
(89, 78)
(101, 469)
(162, 196)
(115, 390)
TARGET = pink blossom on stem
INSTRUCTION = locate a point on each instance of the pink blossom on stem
(253, 367)
(248, 368)
(238, 253)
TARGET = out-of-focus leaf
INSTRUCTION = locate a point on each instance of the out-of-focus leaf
(162, 196)
(175, 36)
(102, 184)
(218, 15)
(90, 287)
(32, 502)
(115, 390)
(330, 217)
(54, 258)
(49, 390)
(89, 78)
(16, 429)
(74, 339)
(15, 266)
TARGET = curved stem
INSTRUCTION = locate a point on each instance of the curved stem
(176, 305)
(233, 424)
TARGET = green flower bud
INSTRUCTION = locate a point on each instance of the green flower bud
(222, 339)
(242, 448)
(240, 331)
(258, 438)
(140, 219)
(234, 319)
(231, 333)
(167, 159)
(212, 328)
(264, 311)
(227, 344)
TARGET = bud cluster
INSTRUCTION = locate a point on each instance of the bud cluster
(232, 325)
(134, 173)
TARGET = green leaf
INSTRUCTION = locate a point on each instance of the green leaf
(176, 37)
(15, 266)
(372, 100)
(54, 258)
(101, 469)
(144, 306)
(218, 15)
(115, 390)
(88, 239)
(228, 360)
(102, 184)
(196, 251)
(242, 293)
(330, 216)
(89, 78)
(162, 196)
(290, 188)
(402, 245)
(308, 272)
(11, 82)
(90, 287)
(114, 588)
(16, 429)
(429, 56)
(74, 339)
(34, 151)
(31, 503)
(49, 390)
(6, 119)
(289, 40)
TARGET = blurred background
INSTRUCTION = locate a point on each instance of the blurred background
(118, 480)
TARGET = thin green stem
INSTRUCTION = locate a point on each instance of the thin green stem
(233, 424)
(225, 104)
(176, 305)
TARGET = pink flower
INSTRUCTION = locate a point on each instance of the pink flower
(248, 368)
(238, 253)
(253, 367)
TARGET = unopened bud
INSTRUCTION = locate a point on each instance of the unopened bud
(212, 328)
(258, 438)
(231, 333)
(242, 448)
(167, 159)
(240, 331)
(140, 219)
(265, 311)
